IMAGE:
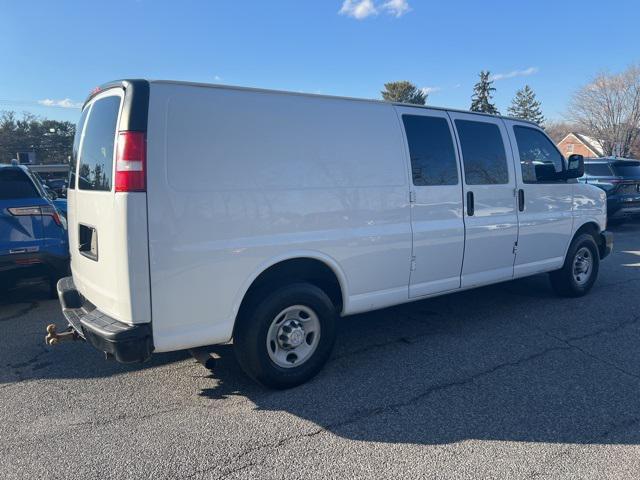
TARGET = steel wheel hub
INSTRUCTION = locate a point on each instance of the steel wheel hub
(293, 336)
(290, 334)
(582, 266)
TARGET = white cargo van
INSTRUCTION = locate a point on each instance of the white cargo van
(204, 214)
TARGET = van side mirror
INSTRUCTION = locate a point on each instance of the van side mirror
(575, 168)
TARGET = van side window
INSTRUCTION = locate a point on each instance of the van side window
(433, 159)
(96, 154)
(540, 160)
(485, 161)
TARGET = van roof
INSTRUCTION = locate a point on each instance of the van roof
(118, 83)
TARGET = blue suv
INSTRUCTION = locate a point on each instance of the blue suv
(33, 233)
(620, 178)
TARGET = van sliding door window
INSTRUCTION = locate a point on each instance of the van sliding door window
(96, 154)
(433, 159)
(485, 161)
(540, 160)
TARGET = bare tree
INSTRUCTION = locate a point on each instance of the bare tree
(608, 109)
(557, 130)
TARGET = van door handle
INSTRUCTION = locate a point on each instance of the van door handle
(470, 204)
(521, 200)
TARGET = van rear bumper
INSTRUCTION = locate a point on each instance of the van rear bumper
(126, 343)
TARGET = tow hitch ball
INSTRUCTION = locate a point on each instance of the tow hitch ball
(53, 337)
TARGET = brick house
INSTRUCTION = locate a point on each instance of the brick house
(580, 144)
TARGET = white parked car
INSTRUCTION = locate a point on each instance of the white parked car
(203, 214)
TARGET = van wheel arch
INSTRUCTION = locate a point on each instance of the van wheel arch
(294, 270)
(593, 229)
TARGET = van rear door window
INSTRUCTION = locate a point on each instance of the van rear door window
(433, 159)
(96, 152)
(485, 160)
(76, 147)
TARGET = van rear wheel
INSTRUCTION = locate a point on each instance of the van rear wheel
(580, 269)
(287, 335)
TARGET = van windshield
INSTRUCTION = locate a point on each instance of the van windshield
(96, 151)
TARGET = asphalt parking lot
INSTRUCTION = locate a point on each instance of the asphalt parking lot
(507, 381)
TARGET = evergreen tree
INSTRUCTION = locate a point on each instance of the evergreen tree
(403, 92)
(525, 106)
(482, 93)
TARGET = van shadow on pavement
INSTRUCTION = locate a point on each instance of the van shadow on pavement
(506, 362)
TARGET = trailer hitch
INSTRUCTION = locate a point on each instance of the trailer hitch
(53, 337)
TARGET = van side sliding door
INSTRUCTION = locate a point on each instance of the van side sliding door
(436, 202)
(490, 208)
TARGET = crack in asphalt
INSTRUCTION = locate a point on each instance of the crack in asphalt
(366, 414)
(406, 339)
(568, 342)
(619, 326)
(16, 368)
(127, 416)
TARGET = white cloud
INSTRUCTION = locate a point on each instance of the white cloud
(428, 90)
(361, 9)
(64, 103)
(217, 78)
(396, 8)
(358, 9)
(515, 73)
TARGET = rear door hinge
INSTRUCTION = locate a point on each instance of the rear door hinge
(515, 248)
(412, 196)
(413, 263)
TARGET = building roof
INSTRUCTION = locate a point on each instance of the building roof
(591, 143)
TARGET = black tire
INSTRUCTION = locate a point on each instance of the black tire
(250, 337)
(563, 281)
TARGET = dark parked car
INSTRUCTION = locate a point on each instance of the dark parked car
(33, 234)
(58, 185)
(620, 178)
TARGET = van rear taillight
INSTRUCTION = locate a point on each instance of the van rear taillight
(131, 159)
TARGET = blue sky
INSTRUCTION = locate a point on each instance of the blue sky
(54, 53)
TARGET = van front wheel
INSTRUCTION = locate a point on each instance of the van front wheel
(287, 336)
(580, 269)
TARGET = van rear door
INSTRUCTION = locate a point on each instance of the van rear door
(108, 229)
